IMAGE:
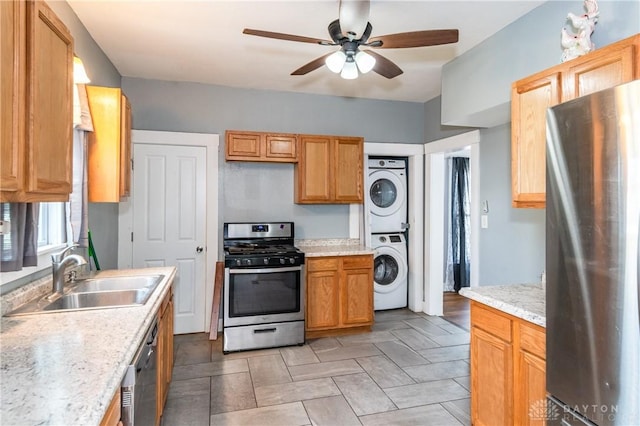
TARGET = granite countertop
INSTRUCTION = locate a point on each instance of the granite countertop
(526, 301)
(64, 368)
(332, 247)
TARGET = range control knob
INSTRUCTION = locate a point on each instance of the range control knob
(246, 261)
(265, 260)
(238, 262)
(292, 260)
(282, 261)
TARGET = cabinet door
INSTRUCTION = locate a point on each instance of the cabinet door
(281, 148)
(49, 103)
(606, 68)
(530, 99)
(348, 169)
(491, 379)
(125, 147)
(243, 145)
(313, 173)
(530, 389)
(357, 297)
(12, 99)
(530, 374)
(105, 145)
(322, 308)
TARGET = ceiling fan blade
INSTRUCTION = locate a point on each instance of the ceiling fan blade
(311, 66)
(384, 66)
(416, 39)
(281, 36)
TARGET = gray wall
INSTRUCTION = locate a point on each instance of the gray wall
(103, 217)
(476, 86)
(512, 248)
(433, 128)
(254, 191)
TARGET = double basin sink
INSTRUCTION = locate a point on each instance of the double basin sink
(96, 293)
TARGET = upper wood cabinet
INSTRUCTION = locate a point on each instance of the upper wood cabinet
(109, 165)
(601, 69)
(329, 170)
(530, 99)
(260, 146)
(37, 95)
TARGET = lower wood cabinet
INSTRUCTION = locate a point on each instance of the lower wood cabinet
(112, 416)
(508, 384)
(339, 294)
(165, 351)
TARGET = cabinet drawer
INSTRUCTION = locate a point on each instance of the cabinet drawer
(322, 264)
(490, 321)
(357, 262)
(533, 340)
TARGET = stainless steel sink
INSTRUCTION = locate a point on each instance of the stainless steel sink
(99, 300)
(117, 283)
(96, 293)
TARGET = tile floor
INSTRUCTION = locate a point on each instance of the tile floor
(412, 369)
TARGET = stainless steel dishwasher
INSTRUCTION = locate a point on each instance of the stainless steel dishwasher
(139, 383)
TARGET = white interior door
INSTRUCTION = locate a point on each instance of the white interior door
(169, 227)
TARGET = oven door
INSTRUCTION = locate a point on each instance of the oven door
(259, 296)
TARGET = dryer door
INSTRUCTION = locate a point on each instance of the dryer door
(389, 269)
(386, 192)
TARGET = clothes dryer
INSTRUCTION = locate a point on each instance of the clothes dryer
(390, 271)
(387, 195)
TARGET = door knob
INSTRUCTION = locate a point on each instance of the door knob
(199, 249)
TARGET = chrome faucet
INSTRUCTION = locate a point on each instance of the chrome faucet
(59, 262)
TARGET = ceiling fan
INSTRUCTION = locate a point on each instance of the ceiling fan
(351, 32)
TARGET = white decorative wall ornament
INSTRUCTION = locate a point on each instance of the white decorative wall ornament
(578, 43)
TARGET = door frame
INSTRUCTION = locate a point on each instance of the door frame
(359, 226)
(434, 193)
(125, 213)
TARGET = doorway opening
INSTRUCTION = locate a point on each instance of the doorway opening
(457, 231)
(436, 246)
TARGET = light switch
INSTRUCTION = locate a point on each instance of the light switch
(484, 221)
(5, 227)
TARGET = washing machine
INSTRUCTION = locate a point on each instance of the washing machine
(390, 271)
(387, 195)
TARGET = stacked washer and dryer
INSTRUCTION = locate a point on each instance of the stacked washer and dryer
(387, 200)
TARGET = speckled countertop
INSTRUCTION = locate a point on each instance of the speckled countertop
(64, 368)
(526, 301)
(332, 247)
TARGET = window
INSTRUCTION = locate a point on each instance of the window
(51, 225)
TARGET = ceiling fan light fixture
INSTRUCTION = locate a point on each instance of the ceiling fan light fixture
(350, 69)
(365, 62)
(336, 61)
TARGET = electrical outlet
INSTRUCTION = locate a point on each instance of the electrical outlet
(484, 221)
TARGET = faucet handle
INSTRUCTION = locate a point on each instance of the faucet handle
(57, 257)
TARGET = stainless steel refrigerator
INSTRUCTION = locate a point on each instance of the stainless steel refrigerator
(592, 296)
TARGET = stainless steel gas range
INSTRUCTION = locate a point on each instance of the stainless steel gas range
(263, 286)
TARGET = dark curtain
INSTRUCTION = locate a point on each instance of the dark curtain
(460, 217)
(20, 245)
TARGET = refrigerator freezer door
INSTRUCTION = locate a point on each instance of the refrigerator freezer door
(593, 215)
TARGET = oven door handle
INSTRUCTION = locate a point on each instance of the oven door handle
(265, 270)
